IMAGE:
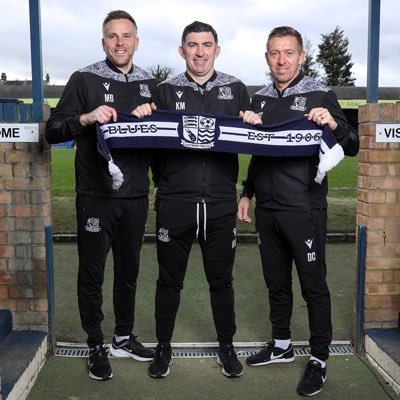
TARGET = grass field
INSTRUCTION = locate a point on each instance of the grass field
(341, 196)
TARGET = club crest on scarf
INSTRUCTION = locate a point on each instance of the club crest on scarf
(198, 131)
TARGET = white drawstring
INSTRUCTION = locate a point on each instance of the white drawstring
(205, 220)
(198, 220)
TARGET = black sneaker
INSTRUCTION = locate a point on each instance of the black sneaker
(313, 379)
(159, 367)
(98, 364)
(271, 355)
(227, 358)
(131, 348)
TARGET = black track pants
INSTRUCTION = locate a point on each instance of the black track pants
(177, 227)
(299, 236)
(105, 223)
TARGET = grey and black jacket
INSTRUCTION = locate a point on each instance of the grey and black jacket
(287, 183)
(102, 84)
(197, 175)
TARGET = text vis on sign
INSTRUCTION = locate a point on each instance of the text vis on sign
(387, 133)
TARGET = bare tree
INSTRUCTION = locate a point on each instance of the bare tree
(161, 72)
(309, 67)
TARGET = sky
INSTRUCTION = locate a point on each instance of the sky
(71, 34)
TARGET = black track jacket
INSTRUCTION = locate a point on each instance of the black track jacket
(287, 183)
(102, 84)
(196, 175)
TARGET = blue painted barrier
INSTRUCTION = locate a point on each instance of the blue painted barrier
(13, 110)
(48, 230)
(360, 289)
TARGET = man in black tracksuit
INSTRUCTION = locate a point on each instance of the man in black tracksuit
(196, 197)
(106, 217)
(291, 208)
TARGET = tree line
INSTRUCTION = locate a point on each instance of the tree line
(332, 65)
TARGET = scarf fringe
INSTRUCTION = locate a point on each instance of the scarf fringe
(328, 161)
(116, 174)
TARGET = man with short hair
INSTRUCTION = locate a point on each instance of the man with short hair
(107, 217)
(291, 208)
(196, 198)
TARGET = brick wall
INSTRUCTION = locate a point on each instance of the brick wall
(25, 210)
(378, 208)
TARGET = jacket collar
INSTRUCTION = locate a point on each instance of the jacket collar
(115, 69)
(294, 82)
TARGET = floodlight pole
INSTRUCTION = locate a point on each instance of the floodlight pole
(36, 61)
(373, 51)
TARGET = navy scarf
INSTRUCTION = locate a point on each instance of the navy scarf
(206, 132)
